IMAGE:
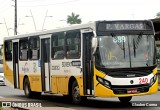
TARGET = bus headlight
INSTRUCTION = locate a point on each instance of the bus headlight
(153, 80)
(103, 82)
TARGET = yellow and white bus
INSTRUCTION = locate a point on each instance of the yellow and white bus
(98, 59)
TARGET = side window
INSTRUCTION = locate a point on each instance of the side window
(23, 45)
(8, 50)
(73, 44)
(34, 43)
(58, 45)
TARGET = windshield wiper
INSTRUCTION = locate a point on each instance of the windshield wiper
(124, 49)
(134, 48)
(136, 44)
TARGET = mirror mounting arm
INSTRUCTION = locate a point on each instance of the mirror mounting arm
(94, 42)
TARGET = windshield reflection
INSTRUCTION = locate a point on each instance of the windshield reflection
(125, 51)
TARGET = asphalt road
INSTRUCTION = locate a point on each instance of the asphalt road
(59, 102)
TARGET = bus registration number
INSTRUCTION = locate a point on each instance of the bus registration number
(131, 91)
(143, 80)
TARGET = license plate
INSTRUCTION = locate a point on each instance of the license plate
(131, 91)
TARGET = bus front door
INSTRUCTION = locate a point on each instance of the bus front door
(15, 65)
(45, 66)
(87, 63)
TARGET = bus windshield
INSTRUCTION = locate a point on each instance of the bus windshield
(125, 51)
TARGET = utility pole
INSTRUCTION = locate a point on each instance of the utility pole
(15, 22)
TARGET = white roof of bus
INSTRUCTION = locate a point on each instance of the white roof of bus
(71, 27)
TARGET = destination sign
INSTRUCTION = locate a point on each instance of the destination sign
(124, 25)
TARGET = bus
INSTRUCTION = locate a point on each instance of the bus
(97, 59)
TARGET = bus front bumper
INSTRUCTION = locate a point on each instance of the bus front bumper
(102, 91)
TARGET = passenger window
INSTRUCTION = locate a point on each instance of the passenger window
(73, 44)
(23, 55)
(58, 46)
(8, 51)
(34, 43)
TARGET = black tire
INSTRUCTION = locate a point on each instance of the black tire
(27, 90)
(125, 99)
(76, 98)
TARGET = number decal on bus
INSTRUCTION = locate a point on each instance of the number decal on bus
(143, 80)
(119, 39)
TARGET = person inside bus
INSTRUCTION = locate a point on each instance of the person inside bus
(59, 54)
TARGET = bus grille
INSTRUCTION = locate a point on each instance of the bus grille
(124, 89)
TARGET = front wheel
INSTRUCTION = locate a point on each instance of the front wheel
(125, 99)
(77, 99)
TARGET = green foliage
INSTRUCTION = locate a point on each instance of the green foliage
(158, 15)
(73, 19)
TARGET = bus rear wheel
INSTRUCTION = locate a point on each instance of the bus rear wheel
(125, 99)
(27, 89)
(76, 98)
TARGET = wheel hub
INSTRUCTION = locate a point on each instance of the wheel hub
(76, 94)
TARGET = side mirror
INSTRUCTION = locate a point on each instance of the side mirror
(94, 44)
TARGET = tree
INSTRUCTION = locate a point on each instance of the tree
(158, 15)
(73, 19)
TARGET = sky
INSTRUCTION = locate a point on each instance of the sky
(51, 14)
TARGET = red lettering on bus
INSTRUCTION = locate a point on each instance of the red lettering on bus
(143, 80)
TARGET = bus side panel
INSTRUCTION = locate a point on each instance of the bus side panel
(21, 77)
(8, 72)
(35, 82)
(61, 71)
(62, 84)
(59, 81)
(35, 76)
(54, 84)
(32, 70)
(80, 84)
